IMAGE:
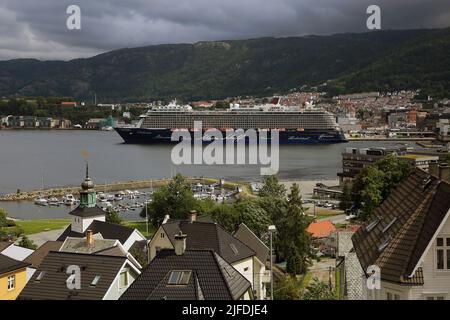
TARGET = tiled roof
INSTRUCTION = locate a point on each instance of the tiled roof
(247, 236)
(206, 235)
(87, 212)
(397, 234)
(40, 253)
(321, 229)
(106, 229)
(8, 264)
(212, 278)
(53, 285)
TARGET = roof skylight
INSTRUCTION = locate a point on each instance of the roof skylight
(179, 277)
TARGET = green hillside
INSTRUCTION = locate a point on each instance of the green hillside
(383, 60)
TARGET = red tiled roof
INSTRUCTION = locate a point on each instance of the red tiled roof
(321, 229)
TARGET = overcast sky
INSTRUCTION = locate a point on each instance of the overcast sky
(37, 28)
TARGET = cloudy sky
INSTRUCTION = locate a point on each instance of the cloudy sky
(37, 28)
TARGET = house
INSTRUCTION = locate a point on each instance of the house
(13, 277)
(89, 216)
(79, 276)
(95, 244)
(35, 259)
(189, 274)
(261, 276)
(12, 251)
(407, 239)
(68, 104)
(208, 235)
(321, 233)
(350, 278)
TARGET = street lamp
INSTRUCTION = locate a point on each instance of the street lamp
(272, 229)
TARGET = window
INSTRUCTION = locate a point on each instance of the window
(435, 298)
(443, 253)
(162, 234)
(123, 281)
(11, 282)
(179, 277)
(392, 296)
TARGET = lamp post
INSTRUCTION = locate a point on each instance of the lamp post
(272, 229)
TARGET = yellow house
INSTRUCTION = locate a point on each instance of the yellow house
(13, 277)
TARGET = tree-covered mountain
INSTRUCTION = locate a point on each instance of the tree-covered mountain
(243, 67)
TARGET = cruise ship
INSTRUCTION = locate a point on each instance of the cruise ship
(295, 125)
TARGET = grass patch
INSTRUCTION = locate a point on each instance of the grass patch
(141, 226)
(37, 226)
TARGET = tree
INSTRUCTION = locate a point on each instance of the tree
(447, 158)
(113, 216)
(346, 198)
(3, 219)
(272, 188)
(176, 199)
(373, 184)
(253, 216)
(293, 240)
(287, 288)
(318, 290)
(25, 242)
(226, 216)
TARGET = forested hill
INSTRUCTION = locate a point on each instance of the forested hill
(374, 60)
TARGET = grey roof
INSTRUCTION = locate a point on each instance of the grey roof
(79, 245)
(40, 253)
(53, 285)
(397, 234)
(247, 236)
(8, 264)
(206, 235)
(106, 229)
(87, 212)
(212, 278)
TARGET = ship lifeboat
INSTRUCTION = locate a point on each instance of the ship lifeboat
(300, 129)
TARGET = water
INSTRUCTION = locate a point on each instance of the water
(57, 156)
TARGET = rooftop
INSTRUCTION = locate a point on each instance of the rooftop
(8, 264)
(399, 231)
(195, 275)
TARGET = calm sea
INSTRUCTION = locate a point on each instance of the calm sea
(56, 157)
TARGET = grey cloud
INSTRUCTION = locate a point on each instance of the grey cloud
(30, 28)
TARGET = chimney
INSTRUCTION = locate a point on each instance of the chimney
(193, 216)
(89, 238)
(444, 172)
(166, 218)
(180, 243)
(433, 168)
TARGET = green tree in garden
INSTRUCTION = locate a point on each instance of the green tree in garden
(113, 216)
(254, 217)
(346, 201)
(25, 242)
(318, 290)
(373, 184)
(447, 158)
(294, 240)
(176, 199)
(225, 215)
(287, 288)
(272, 188)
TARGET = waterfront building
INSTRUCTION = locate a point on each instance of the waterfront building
(356, 159)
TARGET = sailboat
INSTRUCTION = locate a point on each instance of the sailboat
(40, 200)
